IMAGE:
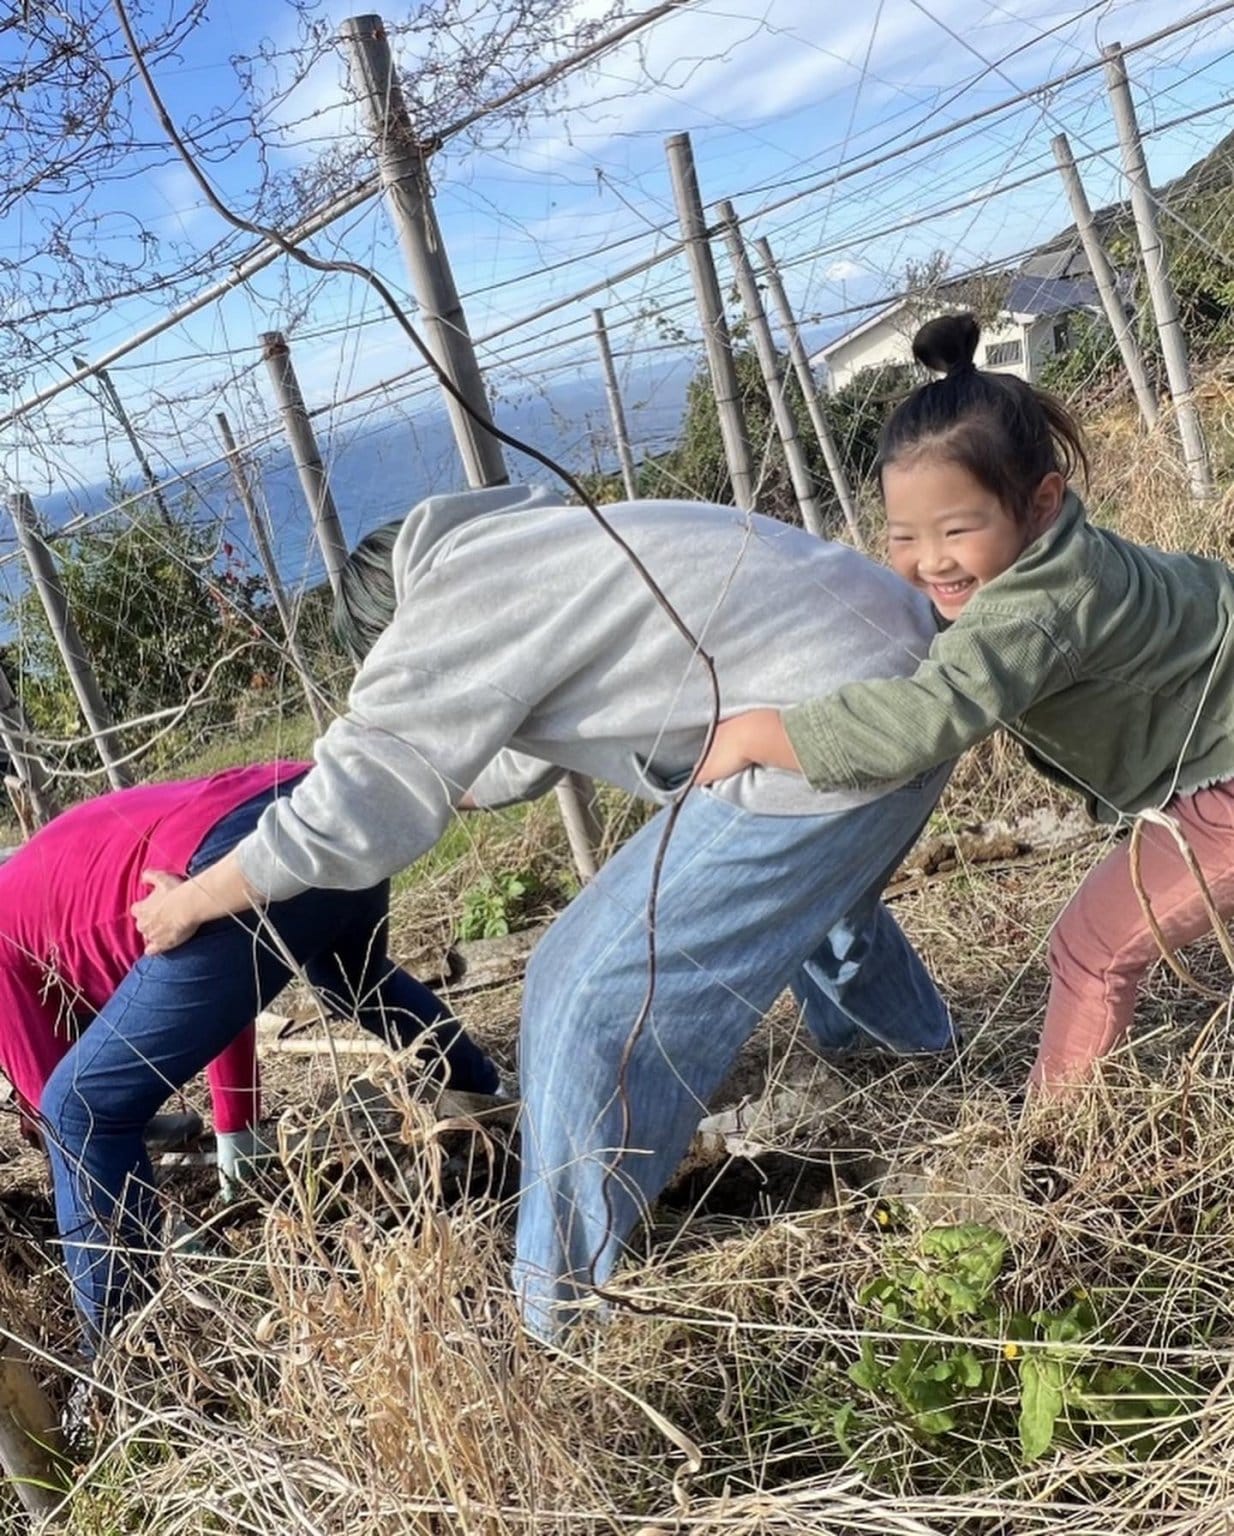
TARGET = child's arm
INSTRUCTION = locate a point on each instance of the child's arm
(756, 738)
(975, 679)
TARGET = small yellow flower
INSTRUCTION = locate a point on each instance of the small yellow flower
(1011, 1350)
(882, 1216)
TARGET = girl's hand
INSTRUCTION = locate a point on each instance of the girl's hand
(757, 737)
(166, 918)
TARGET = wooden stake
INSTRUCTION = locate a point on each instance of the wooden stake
(31, 1447)
(1160, 289)
(710, 304)
(814, 404)
(773, 376)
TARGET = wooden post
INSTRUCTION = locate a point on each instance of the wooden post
(710, 304)
(773, 374)
(1105, 280)
(1103, 276)
(139, 453)
(404, 174)
(616, 411)
(77, 664)
(576, 803)
(313, 478)
(265, 553)
(1161, 290)
(28, 767)
(814, 404)
(31, 1448)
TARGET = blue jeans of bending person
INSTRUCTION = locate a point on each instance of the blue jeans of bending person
(748, 906)
(171, 1015)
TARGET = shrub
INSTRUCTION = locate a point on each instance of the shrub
(164, 614)
(697, 467)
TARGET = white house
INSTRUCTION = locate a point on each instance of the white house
(1030, 328)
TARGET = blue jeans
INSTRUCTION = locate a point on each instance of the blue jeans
(748, 905)
(171, 1015)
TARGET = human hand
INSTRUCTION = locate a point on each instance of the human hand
(165, 918)
(755, 737)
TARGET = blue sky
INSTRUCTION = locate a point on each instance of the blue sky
(775, 93)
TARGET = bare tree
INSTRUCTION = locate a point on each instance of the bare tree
(74, 135)
(930, 291)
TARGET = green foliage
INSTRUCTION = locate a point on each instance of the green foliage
(501, 903)
(696, 467)
(857, 413)
(954, 1367)
(164, 614)
(1196, 229)
(1090, 366)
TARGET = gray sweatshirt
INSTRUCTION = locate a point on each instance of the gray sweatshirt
(525, 644)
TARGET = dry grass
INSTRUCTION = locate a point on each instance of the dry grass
(352, 1362)
(348, 1359)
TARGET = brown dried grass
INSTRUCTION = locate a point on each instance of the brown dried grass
(350, 1361)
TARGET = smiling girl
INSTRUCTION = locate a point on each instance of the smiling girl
(1111, 662)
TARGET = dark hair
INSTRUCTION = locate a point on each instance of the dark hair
(364, 603)
(1008, 434)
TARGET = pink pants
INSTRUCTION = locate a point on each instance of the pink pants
(1102, 945)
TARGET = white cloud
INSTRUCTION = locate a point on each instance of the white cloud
(844, 271)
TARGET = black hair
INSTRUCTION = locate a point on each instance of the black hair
(1007, 433)
(364, 603)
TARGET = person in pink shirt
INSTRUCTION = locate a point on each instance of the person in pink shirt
(67, 939)
(94, 1035)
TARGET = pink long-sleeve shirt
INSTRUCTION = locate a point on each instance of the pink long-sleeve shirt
(67, 936)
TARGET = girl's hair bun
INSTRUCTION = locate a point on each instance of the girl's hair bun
(947, 344)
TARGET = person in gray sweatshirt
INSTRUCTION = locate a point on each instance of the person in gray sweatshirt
(510, 639)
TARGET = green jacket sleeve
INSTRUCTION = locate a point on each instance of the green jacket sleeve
(977, 677)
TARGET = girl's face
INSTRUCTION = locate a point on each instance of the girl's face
(947, 535)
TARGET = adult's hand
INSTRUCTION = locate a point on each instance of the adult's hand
(166, 917)
(755, 738)
(175, 909)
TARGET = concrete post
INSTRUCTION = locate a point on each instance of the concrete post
(1160, 289)
(265, 554)
(314, 481)
(710, 304)
(84, 683)
(616, 411)
(805, 377)
(773, 377)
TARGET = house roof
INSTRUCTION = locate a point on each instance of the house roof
(1065, 259)
(1043, 296)
(865, 325)
(1027, 294)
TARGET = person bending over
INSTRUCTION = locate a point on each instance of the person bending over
(508, 638)
(94, 1035)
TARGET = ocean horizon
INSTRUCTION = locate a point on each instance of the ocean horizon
(378, 470)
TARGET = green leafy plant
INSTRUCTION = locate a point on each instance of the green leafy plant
(166, 613)
(979, 1383)
(499, 904)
